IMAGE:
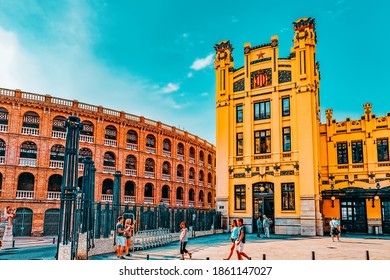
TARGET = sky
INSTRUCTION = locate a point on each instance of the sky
(155, 58)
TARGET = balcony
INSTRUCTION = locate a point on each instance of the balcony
(201, 163)
(148, 200)
(192, 160)
(30, 131)
(28, 162)
(165, 201)
(209, 205)
(3, 127)
(53, 195)
(129, 199)
(166, 153)
(191, 203)
(166, 177)
(150, 150)
(180, 179)
(110, 142)
(2, 160)
(149, 174)
(201, 183)
(107, 197)
(57, 164)
(131, 146)
(209, 166)
(86, 138)
(24, 194)
(58, 134)
(209, 185)
(131, 172)
(109, 169)
(192, 182)
(179, 202)
(180, 157)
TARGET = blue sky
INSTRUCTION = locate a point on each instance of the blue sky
(155, 58)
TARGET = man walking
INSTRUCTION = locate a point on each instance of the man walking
(240, 242)
(120, 238)
(259, 225)
(266, 225)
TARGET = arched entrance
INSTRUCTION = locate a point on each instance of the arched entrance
(52, 217)
(263, 201)
(23, 222)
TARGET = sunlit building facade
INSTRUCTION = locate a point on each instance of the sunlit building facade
(274, 156)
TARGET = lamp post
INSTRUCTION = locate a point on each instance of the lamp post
(332, 198)
(376, 196)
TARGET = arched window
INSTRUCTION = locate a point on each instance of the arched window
(1, 183)
(201, 176)
(209, 198)
(201, 157)
(149, 165)
(209, 179)
(54, 185)
(167, 147)
(58, 128)
(180, 171)
(201, 196)
(30, 123)
(151, 144)
(108, 185)
(26, 182)
(179, 193)
(57, 153)
(86, 134)
(148, 193)
(132, 140)
(28, 154)
(2, 151)
(166, 168)
(130, 189)
(109, 163)
(110, 136)
(192, 154)
(209, 161)
(165, 192)
(191, 195)
(192, 173)
(180, 151)
(131, 162)
(83, 153)
(3, 119)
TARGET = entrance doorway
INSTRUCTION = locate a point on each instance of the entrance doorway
(23, 222)
(263, 201)
(353, 215)
(385, 216)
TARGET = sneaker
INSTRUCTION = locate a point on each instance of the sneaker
(128, 255)
(249, 258)
(122, 257)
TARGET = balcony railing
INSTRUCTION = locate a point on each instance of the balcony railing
(2, 160)
(24, 194)
(149, 174)
(28, 162)
(131, 172)
(192, 160)
(110, 142)
(30, 131)
(166, 153)
(54, 195)
(109, 169)
(148, 200)
(192, 181)
(209, 166)
(209, 205)
(132, 146)
(58, 134)
(180, 179)
(3, 127)
(209, 185)
(191, 203)
(86, 138)
(107, 197)
(57, 164)
(201, 183)
(166, 177)
(129, 199)
(201, 163)
(150, 150)
(179, 202)
(180, 157)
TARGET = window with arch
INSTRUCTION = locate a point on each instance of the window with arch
(31, 120)
(192, 173)
(57, 152)
(192, 154)
(166, 168)
(209, 161)
(179, 193)
(108, 186)
(167, 147)
(191, 195)
(180, 151)
(28, 154)
(109, 159)
(201, 176)
(130, 189)
(149, 165)
(110, 136)
(209, 179)
(180, 171)
(209, 197)
(58, 127)
(201, 196)
(3, 119)
(1, 183)
(131, 162)
(148, 192)
(86, 133)
(26, 183)
(54, 185)
(165, 192)
(150, 144)
(2, 151)
(201, 157)
(83, 153)
(132, 140)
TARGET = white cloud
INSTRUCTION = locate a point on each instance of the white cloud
(189, 75)
(170, 87)
(201, 63)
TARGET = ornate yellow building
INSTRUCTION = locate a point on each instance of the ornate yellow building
(274, 157)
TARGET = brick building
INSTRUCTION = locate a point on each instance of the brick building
(158, 162)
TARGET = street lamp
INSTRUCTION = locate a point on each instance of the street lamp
(332, 197)
(376, 196)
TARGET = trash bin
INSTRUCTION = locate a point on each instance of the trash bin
(376, 230)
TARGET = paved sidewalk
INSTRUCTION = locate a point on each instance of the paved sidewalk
(278, 247)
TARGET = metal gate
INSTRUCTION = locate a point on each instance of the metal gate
(353, 215)
(22, 223)
(386, 216)
(52, 218)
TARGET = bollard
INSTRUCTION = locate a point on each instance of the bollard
(367, 255)
(147, 257)
(13, 243)
(264, 257)
(313, 256)
(54, 240)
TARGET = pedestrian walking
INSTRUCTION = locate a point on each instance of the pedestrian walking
(334, 231)
(184, 240)
(338, 225)
(240, 242)
(120, 238)
(129, 227)
(266, 225)
(259, 225)
(233, 238)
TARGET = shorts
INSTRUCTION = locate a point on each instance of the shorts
(335, 231)
(121, 241)
(239, 247)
